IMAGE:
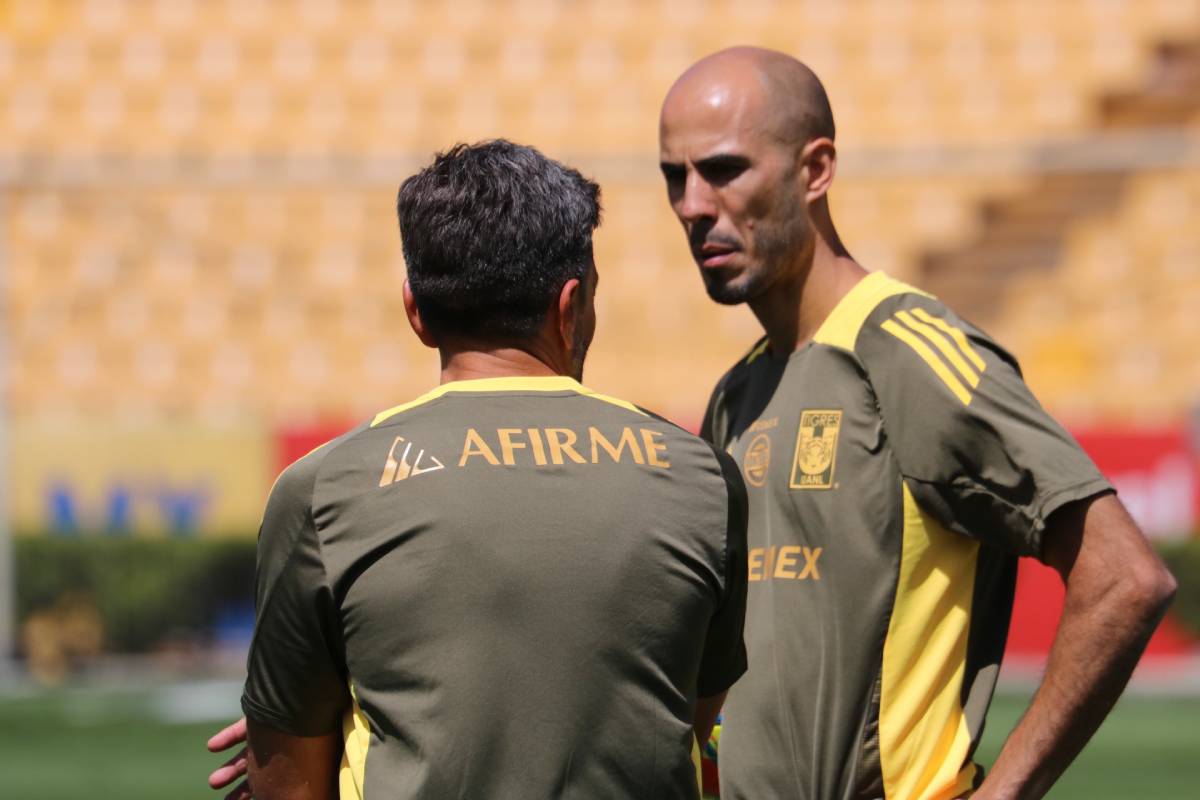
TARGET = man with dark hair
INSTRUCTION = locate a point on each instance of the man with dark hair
(489, 234)
(897, 466)
(510, 586)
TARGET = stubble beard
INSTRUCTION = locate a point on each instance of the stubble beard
(780, 244)
(736, 291)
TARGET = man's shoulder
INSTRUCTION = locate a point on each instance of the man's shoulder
(857, 314)
(744, 366)
(703, 453)
(297, 482)
(882, 318)
(685, 450)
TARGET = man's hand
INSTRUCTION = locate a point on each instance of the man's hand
(1117, 591)
(235, 767)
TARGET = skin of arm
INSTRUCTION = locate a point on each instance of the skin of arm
(707, 709)
(287, 767)
(1117, 591)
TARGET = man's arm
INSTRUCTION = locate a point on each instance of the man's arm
(707, 709)
(297, 685)
(287, 767)
(1117, 591)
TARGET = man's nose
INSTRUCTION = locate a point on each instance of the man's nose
(697, 202)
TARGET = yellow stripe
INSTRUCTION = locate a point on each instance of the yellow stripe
(943, 344)
(356, 736)
(540, 383)
(698, 768)
(959, 337)
(841, 327)
(758, 350)
(583, 390)
(924, 739)
(930, 358)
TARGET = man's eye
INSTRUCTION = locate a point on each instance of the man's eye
(722, 173)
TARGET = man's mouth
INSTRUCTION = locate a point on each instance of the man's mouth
(715, 255)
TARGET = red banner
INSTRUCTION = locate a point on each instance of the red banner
(1157, 477)
(1156, 473)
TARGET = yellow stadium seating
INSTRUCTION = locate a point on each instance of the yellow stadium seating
(198, 196)
(1113, 329)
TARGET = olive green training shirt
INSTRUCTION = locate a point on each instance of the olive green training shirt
(895, 467)
(508, 588)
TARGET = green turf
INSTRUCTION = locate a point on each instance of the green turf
(1148, 748)
(69, 745)
(66, 746)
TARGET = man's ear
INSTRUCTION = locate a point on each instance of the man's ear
(818, 161)
(414, 318)
(568, 308)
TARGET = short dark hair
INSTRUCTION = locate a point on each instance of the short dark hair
(491, 232)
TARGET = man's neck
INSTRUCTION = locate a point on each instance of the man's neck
(499, 362)
(792, 311)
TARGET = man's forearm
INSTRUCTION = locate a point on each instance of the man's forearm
(1114, 602)
(707, 709)
(287, 767)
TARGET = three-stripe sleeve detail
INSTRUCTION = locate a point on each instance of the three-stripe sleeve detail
(958, 366)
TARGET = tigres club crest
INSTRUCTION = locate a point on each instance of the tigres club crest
(758, 458)
(816, 449)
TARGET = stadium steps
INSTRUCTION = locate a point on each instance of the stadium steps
(1025, 233)
(1169, 97)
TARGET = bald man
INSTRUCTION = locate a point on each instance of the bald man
(897, 466)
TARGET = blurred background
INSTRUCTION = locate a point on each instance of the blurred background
(201, 270)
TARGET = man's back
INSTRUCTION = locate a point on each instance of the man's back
(523, 585)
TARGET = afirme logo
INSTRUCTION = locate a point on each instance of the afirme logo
(816, 449)
(397, 469)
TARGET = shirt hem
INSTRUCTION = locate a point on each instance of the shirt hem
(289, 725)
(718, 686)
(1070, 494)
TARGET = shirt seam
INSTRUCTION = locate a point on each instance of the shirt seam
(557, 393)
(739, 668)
(310, 518)
(1053, 501)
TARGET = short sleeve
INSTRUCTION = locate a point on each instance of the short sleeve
(975, 447)
(296, 677)
(724, 658)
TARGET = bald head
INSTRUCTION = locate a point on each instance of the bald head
(746, 149)
(765, 88)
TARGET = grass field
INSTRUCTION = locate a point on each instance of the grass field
(75, 744)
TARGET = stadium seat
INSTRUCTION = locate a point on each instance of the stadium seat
(199, 209)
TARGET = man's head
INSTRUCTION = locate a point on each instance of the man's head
(746, 147)
(498, 244)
